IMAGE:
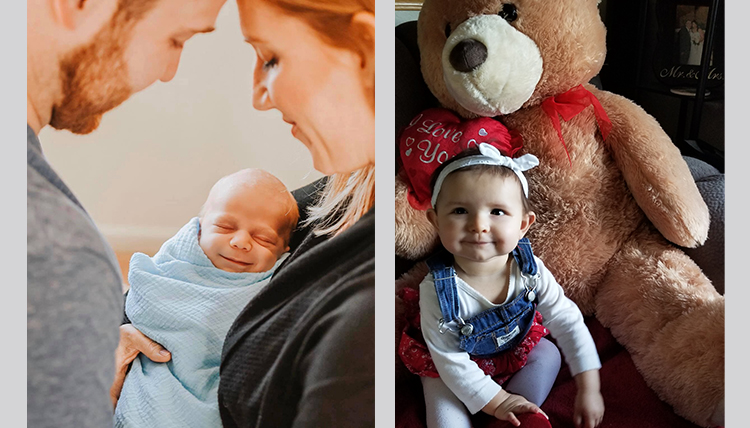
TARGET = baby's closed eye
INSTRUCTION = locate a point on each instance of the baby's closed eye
(265, 240)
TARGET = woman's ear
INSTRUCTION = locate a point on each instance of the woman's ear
(363, 27)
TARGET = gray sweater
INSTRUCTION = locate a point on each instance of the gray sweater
(74, 305)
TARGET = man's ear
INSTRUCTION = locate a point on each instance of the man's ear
(83, 14)
(363, 25)
(526, 223)
(432, 217)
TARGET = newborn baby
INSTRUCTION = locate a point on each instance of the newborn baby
(187, 296)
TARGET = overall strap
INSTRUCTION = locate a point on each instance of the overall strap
(525, 257)
(445, 284)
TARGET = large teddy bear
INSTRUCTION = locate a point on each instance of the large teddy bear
(606, 208)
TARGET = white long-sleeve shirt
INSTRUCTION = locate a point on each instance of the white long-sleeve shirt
(462, 375)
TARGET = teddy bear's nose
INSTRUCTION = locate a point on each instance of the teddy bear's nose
(467, 55)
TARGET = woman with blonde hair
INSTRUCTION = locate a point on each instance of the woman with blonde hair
(301, 353)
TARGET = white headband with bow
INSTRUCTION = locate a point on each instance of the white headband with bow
(490, 155)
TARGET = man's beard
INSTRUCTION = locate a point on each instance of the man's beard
(94, 80)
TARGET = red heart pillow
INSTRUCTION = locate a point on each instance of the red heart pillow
(436, 135)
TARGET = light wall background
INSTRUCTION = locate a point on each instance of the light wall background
(406, 15)
(148, 168)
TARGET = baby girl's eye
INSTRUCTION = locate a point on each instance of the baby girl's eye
(497, 211)
(459, 210)
(223, 226)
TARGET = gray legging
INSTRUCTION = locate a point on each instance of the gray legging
(533, 382)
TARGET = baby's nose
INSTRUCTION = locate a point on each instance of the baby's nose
(242, 241)
(479, 224)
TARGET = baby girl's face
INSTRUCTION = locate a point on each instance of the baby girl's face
(245, 228)
(480, 216)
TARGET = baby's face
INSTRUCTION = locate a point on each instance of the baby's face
(245, 228)
(480, 216)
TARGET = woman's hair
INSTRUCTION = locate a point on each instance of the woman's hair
(496, 170)
(331, 19)
(346, 196)
(344, 200)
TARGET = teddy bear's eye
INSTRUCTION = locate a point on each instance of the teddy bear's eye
(508, 12)
(447, 30)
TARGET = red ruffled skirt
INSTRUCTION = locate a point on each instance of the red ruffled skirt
(415, 355)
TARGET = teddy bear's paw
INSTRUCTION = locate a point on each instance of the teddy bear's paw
(415, 237)
(685, 364)
(682, 359)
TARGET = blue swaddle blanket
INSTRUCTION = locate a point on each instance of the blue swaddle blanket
(180, 299)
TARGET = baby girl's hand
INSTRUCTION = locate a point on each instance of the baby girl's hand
(589, 409)
(505, 406)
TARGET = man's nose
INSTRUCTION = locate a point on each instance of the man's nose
(171, 69)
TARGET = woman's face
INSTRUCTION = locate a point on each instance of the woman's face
(320, 90)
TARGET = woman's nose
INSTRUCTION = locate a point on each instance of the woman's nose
(241, 241)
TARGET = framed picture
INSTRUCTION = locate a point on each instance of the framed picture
(681, 35)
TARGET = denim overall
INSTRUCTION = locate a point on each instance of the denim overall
(499, 328)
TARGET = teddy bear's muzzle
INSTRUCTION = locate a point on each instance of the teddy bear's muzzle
(490, 67)
(467, 55)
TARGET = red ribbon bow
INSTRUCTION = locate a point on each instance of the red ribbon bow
(569, 104)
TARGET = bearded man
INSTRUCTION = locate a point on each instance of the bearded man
(84, 57)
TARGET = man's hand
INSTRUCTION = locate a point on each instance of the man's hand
(132, 343)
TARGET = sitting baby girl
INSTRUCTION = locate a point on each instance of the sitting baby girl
(187, 296)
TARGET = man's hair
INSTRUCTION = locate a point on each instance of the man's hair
(131, 11)
(496, 170)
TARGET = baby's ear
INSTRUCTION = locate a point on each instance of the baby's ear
(432, 217)
(527, 221)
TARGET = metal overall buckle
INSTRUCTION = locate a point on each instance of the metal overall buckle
(464, 328)
(530, 293)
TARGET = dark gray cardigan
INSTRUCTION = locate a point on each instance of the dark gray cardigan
(301, 353)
